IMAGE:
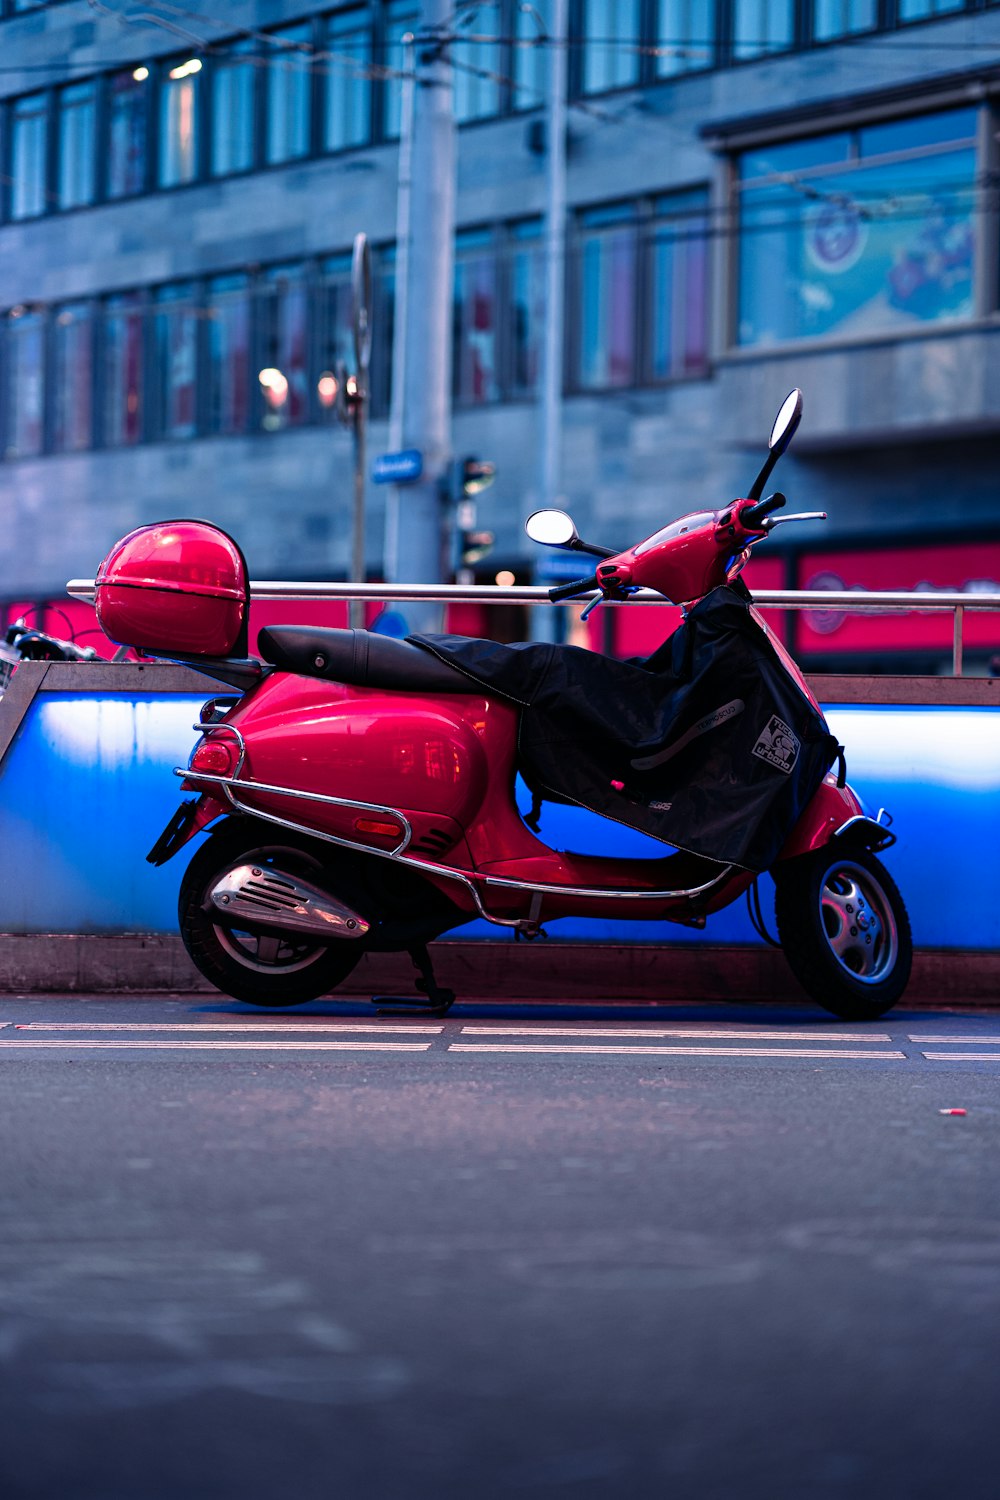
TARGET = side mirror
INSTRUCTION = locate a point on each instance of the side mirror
(786, 422)
(552, 528)
(782, 432)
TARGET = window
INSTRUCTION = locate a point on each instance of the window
(474, 362)
(383, 328)
(527, 306)
(289, 76)
(76, 113)
(678, 281)
(833, 18)
(336, 328)
(686, 36)
(859, 232)
(25, 340)
(179, 126)
(234, 88)
(128, 106)
(528, 66)
(228, 322)
(347, 116)
(72, 377)
(762, 26)
(476, 65)
(402, 16)
(284, 373)
(606, 297)
(917, 10)
(123, 370)
(29, 144)
(611, 41)
(175, 352)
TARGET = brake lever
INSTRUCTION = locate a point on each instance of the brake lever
(770, 522)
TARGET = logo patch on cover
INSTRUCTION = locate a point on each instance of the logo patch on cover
(778, 745)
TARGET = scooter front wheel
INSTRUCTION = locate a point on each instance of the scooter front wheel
(845, 930)
(265, 968)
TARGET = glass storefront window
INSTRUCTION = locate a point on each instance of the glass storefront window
(284, 372)
(289, 80)
(606, 303)
(179, 122)
(860, 232)
(347, 116)
(77, 108)
(685, 35)
(128, 95)
(175, 352)
(29, 145)
(762, 26)
(611, 37)
(227, 315)
(474, 362)
(679, 286)
(833, 18)
(234, 90)
(25, 382)
(123, 370)
(527, 306)
(72, 377)
(402, 16)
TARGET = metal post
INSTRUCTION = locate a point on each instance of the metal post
(361, 300)
(956, 647)
(551, 373)
(426, 347)
(404, 186)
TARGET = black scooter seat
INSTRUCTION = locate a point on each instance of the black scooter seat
(361, 658)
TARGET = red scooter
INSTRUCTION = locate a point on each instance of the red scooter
(362, 788)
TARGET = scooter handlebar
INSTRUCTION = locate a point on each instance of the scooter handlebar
(754, 515)
(567, 590)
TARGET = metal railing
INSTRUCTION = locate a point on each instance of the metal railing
(850, 601)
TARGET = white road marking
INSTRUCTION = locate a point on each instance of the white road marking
(199, 1026)
(761, 1032)
(187, 1043)
(980, 1041)
(667, 1051)
(946, 1056)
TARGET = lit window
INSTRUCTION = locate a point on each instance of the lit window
(337, 327)
(289, 79)
(77, 111)
(123, 370)
(25, 340)
(611, 42)
(175, 349)
(29, 144)
(72, 377)
(228, 322)
(179, 109)
(859, 232)
(234, 79)
(474, 362)
(285, 318)
(128, 104)
(347, 120)
(606, 305)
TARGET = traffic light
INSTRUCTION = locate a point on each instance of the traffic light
(472, 475)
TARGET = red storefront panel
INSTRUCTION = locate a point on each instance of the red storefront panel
(961, 567)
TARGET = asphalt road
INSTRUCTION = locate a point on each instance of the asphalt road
(701, 1251)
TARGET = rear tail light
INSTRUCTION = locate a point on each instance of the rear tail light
(214, 756)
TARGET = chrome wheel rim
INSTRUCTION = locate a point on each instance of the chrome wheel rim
(858, 922)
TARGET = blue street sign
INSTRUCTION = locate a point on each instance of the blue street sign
(559, 567)
(398, 468)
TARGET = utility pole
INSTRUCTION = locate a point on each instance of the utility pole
(422, 341)
(551, 371)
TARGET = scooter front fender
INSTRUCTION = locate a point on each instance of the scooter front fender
(828, 812)
(190, 818)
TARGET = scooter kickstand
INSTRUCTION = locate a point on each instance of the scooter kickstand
(434, 999)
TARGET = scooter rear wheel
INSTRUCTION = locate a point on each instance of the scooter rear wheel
(845, 930)
(266, 969)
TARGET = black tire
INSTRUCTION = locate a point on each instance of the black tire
(265, 969)
(845, 931)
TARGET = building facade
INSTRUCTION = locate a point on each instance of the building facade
(761, 194)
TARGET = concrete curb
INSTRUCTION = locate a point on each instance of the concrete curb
(155, 963)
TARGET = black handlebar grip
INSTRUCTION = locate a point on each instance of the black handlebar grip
(754, 514)
(567, 590)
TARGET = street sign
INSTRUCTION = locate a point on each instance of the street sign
(398, 468)
(559, 567)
